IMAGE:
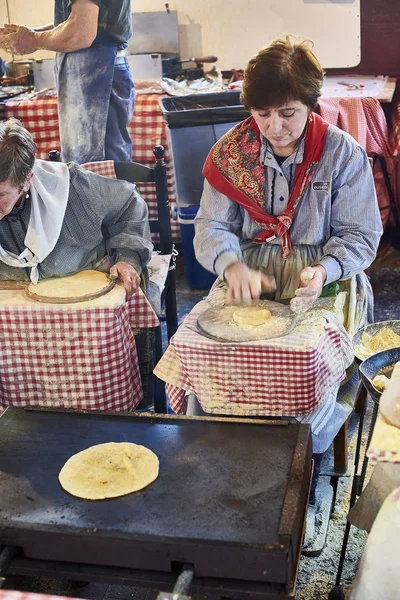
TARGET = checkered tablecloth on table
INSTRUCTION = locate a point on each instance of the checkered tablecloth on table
(15, 595)
(72, 357)
(288, 376)
(147, 129)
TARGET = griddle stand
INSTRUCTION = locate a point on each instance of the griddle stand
(7, 555)
(15, 563)
(180, 591)
(152, 554)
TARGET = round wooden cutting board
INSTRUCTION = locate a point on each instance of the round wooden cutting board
(80, 287)
(220, 323)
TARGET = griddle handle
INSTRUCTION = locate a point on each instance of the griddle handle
(7, 555)
(182, 585)
(184, 581)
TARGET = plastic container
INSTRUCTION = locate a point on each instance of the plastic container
(196, 122)
(203, 109)
(198, 278)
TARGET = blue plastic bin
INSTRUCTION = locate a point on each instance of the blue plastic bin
(198, 278)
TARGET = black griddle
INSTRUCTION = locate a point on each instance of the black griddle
(230, 498)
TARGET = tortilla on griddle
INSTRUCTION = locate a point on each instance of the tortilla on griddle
(109, 470)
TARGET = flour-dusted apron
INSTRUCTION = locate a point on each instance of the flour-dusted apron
(85, 82)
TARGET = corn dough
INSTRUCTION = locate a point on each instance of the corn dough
(109, 470)
(384, 339)
(380, 382)
(253, 316)
(81, 284)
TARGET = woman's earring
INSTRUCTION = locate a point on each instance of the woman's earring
(27, 195)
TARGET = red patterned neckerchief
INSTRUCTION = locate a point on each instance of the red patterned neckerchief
(233, 168)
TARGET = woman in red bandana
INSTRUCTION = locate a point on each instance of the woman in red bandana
(289, 203)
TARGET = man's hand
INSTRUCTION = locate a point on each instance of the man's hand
(246, 284)
(127, 274)
(312, 280)
(18, 39)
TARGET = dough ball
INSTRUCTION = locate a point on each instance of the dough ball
(251, 315)
(380, 382)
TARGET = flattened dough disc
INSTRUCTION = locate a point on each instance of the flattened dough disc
(85, 285)
(109, 470)
(228, 323)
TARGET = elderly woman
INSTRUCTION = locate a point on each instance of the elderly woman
(57, 219)
(289, 203)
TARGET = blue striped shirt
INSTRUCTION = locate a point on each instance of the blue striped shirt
(338, 213)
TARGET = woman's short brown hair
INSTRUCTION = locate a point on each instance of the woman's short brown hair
(17, 152)
(284, 71)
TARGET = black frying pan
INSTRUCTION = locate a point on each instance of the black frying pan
(374, 365)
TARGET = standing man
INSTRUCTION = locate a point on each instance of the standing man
(95, 89)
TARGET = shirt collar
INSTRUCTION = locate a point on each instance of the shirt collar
(267, 155)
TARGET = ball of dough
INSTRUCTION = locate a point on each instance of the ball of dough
(251, 315)
(381, 382)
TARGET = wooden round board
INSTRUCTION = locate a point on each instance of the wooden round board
(80, 287)
(219, 322)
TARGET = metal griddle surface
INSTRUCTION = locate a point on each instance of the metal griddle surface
(220, 481)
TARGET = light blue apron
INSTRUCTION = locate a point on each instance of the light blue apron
(95, 104)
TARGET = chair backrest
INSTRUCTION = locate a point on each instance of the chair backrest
(138, 173)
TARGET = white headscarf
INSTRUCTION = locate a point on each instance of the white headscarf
(49, 191)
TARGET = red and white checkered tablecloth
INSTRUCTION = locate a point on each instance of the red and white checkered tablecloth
(72, 357)
(287, 376)
(141, 313)
(147, 129)
(15, 595)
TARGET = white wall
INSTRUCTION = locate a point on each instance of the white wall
(27, 12)
(235, 29)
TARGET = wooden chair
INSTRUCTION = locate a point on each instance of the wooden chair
(138, 173)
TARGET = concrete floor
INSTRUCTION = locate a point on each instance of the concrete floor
(385, 278)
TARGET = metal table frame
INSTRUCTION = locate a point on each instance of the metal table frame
(337, 592)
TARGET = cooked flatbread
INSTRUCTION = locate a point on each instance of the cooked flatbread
(109, 470)
(253, 316)
(81, 286)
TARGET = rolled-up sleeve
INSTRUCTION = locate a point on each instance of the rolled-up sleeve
(356, 226)
(127, 231)
(217, 227)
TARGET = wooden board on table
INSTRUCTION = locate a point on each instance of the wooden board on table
(13, 285)
(80, 287)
